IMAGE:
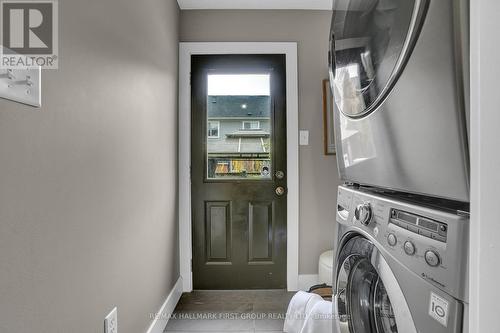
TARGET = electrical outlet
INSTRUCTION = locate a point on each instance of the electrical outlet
(111, 322)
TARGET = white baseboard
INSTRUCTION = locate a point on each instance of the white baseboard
(161, 318)
(306, 281)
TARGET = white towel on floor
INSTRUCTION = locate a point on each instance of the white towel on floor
(319, 318)
(298, 309)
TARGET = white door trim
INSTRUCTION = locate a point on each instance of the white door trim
(186, 50)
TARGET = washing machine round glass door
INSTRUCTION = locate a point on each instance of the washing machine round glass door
(368, 298)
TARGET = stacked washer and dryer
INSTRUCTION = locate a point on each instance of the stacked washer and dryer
(399, 73)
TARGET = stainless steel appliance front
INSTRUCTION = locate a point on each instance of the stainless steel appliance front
(397, 71)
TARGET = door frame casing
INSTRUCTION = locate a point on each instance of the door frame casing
(186, 50)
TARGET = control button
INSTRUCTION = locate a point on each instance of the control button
(375, 231)
(413, 229)
(363, 213)
(425, 233)
(409, 248)
(432, 258)
(443, 230)
(402, 225)
(439, 238)
(392, 240)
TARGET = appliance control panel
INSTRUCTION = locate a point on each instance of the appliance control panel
(420, 225)
(429, 242)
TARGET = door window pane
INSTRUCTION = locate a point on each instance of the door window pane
(239, 127)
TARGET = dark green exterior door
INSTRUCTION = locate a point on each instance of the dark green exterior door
(238, 154)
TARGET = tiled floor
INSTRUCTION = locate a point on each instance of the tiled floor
(230, 311)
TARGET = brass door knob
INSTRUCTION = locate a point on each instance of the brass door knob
(280, 191)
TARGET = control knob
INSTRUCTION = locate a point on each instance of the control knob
(432, 258)
(392, 240)
(409, 248)
(363, 213)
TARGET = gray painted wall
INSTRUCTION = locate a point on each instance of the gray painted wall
(88, 182)
(318, 173)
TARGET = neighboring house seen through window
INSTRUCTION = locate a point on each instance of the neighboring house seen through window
(251, 125)
(213, 129)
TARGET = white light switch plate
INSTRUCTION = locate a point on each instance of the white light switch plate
(111, 322)
(21, 85)
(304, 138)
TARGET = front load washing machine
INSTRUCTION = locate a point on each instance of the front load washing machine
(400, 267)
